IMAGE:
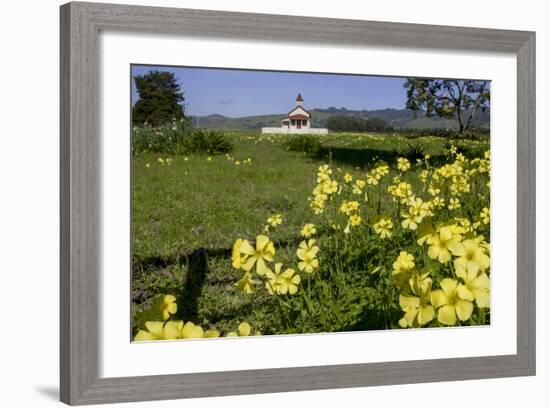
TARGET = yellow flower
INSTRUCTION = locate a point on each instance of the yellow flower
(403, 164)
(441, 244)
(308, 230)
(402, 191)
(372, 179)
(211, 333)
(476, 286)
(485, 215)
(147, 165)
(160, 331)
(348, 178)
(454, 203)
(169, 306)
(275, 220)
(383, 226)
(329, 186)
(449, 304)
(470, 255)
(348, 207)
(403, 263)
(355, 220)
(436, 203)
(244, 329)
(282, 282)
(307, 253)
(358, 186)
(323, 173)
(264, 251)
(209, 158)
(238, 258)
(192, 331)
(418, 311)
(415, 214)
(246, 283)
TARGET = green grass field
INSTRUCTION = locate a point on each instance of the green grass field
(186, 215)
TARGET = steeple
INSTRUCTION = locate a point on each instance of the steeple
(299, 100)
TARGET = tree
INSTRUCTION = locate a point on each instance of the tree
(456, 98)
(159, 98)
(343, 123)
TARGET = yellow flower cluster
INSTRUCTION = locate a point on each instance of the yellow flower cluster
(325, 187)
(383, 226)
(276, 281)
(429, 215)
(307, 254)
(401, 191)
(467, 282)
(238, 162)
(178, 329)
(376, 174)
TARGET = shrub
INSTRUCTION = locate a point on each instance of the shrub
(177, 137)
(206, 141)
(162, 139)
(303, 143)
(413, 152)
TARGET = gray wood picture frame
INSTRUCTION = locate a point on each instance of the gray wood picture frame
(81, 24)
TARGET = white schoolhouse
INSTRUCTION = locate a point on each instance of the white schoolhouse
(298, 120)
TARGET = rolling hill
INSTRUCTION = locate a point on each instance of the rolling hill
(398, 118)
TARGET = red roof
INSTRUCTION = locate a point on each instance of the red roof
(299, 98)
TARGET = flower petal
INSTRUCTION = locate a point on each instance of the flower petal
(261, 267)
(172, 330)
(444, 255)
(261, 242)
(169, 299)
(244, 329)
(408, 302)
(438, 298)
(155, 328)
(465, 293)
(483, 298)
(425, 315)
(246, 248)
(464, 309)
(143, 335)
(448, 286)
(446, 315)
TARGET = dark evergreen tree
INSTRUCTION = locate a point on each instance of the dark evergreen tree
(159, 98)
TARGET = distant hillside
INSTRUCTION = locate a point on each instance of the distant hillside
(398, 118)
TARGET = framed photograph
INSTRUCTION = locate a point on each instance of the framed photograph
(262, 203)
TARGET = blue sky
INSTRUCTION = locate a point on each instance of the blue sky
(237, 93)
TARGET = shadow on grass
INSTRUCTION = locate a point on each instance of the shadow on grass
(365, 157)
(375, 319)
(197, 268)
(353, 156)
(196, 277)
(160, 262)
